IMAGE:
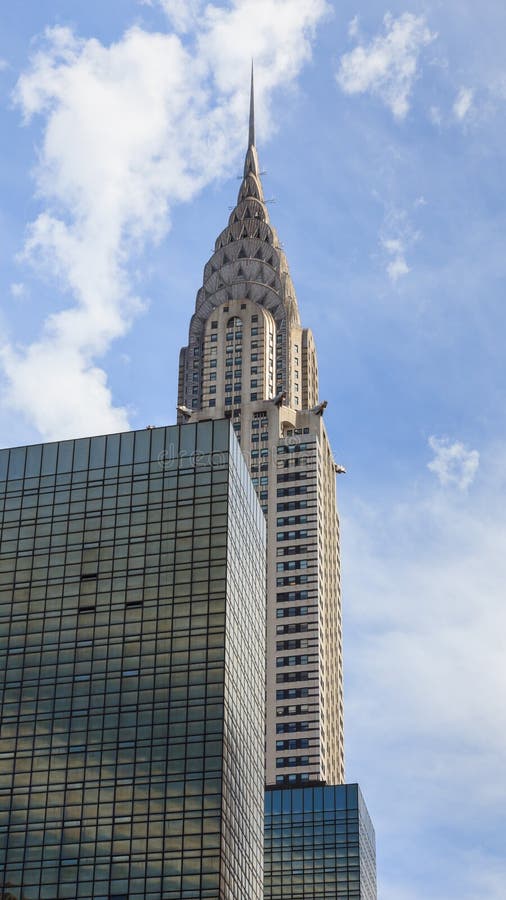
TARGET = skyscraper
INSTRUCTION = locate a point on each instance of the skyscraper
(250, 359)
(131, 668)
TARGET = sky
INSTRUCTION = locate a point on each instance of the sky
(381, 130)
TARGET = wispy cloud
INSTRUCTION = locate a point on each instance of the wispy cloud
(354, 27)
(130, 130)
(387, 66)
(397, 265)
(424, 572)
(18, 289)
(463, 104)
(182, 14)
(397, 236)
(453, 463)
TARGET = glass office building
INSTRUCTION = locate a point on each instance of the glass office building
(132, 655)
(319, 844)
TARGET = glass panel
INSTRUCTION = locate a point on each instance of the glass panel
(142, 445)
(204, 437)
(112, 452)
(97, 452)
(81, 454)
(4, 463)
(127, 448)
(33, 460)
(221, 436)
(17, 462)
(65, 454)
(187, 445)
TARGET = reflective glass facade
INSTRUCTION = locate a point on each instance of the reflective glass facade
(319, 844)
(132, 668)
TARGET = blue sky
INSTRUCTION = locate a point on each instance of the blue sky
(381, 129)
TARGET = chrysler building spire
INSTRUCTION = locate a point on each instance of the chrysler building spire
(251, 142)
(251, 185)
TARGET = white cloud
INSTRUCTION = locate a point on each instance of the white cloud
(3, 64)
(387, 66)
(463, 103)
(453, 464)
(18, 289)
(130, 130)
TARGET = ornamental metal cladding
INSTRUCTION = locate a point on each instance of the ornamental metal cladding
(132, 668)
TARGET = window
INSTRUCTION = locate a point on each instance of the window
(282, 661)
(293, 744)
(283, 613)
(292, 595)
(291, 727)
(292, 761)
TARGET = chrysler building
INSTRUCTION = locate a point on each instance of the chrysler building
(249, 359)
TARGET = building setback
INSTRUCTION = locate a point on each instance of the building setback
(319, 844)
(250, 359)
(131, 668)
